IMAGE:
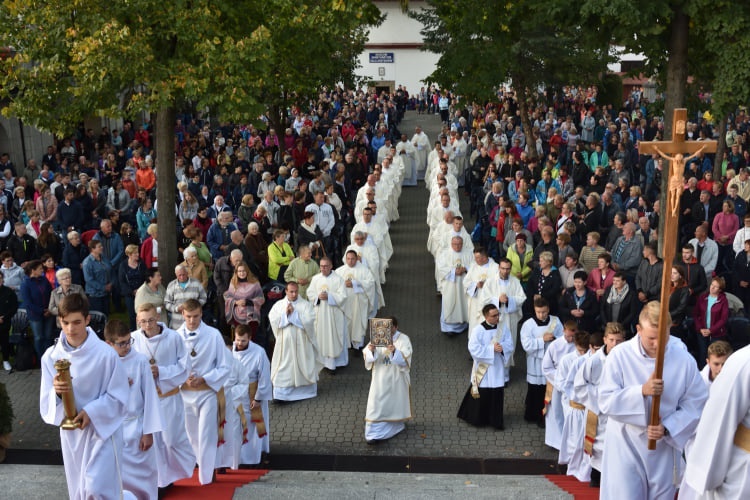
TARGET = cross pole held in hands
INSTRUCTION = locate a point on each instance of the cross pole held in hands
(671, 213)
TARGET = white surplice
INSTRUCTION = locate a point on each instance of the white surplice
(257, 369)
(510, 312)
(574, 427)
(358, 299)
(92, 456)
(629, 469)
(235, 390)
(555, 416)
(532, 334)
(454, 313)
(295, 365)
(142, 417)
(422, 146)
(482, 350)
(477, 297)
(716, 468)
(389, 399)
(586, 391)
(330, 321)
(368, 255)
(175, 459)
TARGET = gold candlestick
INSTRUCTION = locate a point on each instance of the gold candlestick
(69, 402)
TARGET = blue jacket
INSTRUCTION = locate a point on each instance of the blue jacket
(97, 274)
(216, 237)
(114, 250)
(526, 213)
(35, 293)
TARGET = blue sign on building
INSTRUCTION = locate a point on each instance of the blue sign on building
(381, 57)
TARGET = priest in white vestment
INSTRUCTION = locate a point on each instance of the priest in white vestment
(629, 468)
(258, 371)
(367, 254)
(408, 154)
(360, 292)
(452, 265)
(327, 294)
(459, 156)
(553, 398)
(92, 453)
(296, 364)
(203, 388)
(436, 215)
(437, 236)
(385, 149)
(175, 459)
(389, 400)
(482, 270)
(718, 462)
(378, 237)
(421, 144)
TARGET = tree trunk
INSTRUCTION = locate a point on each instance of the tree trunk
(165, 194)
(526, 122)
(721, 146)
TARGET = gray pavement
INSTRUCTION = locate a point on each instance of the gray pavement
(333, 423)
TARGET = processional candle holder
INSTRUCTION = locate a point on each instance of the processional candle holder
(69, 401)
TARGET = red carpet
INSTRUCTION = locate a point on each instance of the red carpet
(579, 490)
(222, 488)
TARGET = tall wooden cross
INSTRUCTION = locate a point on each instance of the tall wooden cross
(671, 212)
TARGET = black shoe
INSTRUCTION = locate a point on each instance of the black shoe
(541, 424)
(221, 470)
(373, 442)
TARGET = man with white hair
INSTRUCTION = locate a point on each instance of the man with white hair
(627, 252)
(359, 284)
(452, 265)
(182, 288)
(219, 235)
(367, 254)
(218, 207)
(327, 294)
(379, 238)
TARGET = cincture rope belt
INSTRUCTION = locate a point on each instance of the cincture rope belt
(742, 438)
(256, 414)
(592, 423)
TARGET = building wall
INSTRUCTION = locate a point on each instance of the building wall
(11, 142)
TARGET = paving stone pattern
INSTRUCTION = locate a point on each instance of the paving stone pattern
(333, 423)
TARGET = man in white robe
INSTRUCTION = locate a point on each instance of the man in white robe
(385, 149)
(408, 154)
(327, 294)
(258, 372)
(629, 468)
(378, 237)
(231, 438)
(438, 235)
(421, 144)
(432, 160)
(203, 389)
(360, 292)
(537, 333)
(481, 270)
(93, 452)
(175, 459)
(458, 229)
(490, 347)
(142, 418)
(389, 400)
(452, 265)
(437, 214)
(554, 416)
(367, 254)
(295, 364)
(459, 156)
(718, 462)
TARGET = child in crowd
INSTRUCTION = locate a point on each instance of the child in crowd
(718, 352)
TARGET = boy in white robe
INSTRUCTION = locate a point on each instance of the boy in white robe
(554, 416)
(537, 333)
(490, 347)
(91, 453)
(175, 459)
(574, 427)
(327, 294)
(718, 463)
(359, 285)
(718, 352)
(296, 364)
(451, 267)
(629, 468)
(255, 401)
(586, 390)
(232, 437)
(202, 392)
(389, 400)
(142, 418)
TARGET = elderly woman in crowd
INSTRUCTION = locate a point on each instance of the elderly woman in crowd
(196, 268)
(243, 299)
(152, 292)
(66, 287)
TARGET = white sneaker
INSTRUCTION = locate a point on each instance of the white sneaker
(7, 366)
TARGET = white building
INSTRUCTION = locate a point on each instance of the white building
(392, 55)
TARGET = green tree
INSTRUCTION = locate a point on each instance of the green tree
(73, 60)
(532, 44)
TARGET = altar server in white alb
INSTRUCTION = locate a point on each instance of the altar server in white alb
(169, 364)
(452, 265)
(142, 418)
(359, 285)
(553, 404)
(231, 433)
(327, 294)
(389, 401)
(491, 347)
(203, 391)
(255, 403)
(718, 462)
(92, 453)
(296, 364)
(629, 468)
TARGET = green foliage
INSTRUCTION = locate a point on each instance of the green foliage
(610, 89)
(6, 412)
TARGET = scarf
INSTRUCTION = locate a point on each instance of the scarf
(617, 298)
(309, 228)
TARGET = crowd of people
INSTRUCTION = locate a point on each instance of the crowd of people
(563, 257)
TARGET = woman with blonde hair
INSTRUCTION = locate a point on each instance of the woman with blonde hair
(243, 299)
(188, 208)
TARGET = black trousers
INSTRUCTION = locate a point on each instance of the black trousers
(534, 403)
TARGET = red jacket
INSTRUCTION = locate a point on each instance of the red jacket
(719, 315)
(147, 249)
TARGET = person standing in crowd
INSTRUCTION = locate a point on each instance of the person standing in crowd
(9, 307)
(130, 276)
(97, 272)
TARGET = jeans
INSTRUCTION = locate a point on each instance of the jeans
(43, 330)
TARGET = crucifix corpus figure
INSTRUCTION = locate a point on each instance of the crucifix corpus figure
(676, 177)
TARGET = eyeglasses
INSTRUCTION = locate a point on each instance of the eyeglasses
(124, 344)
(147, 321)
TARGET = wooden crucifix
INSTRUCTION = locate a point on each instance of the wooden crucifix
(677, 147)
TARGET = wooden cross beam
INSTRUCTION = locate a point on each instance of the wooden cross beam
(677, 147)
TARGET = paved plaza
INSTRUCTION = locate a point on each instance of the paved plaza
(333, 423)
